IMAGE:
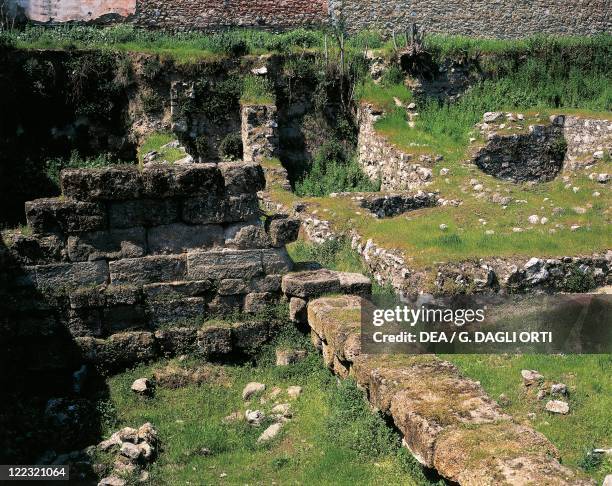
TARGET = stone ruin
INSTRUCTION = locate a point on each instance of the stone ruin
(521, 149)
(126, 263)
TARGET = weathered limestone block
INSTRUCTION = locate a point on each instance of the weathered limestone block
(515, 455)
(242, 177)
(58, 215)
(70, 275)
(259, 132)
(33, 250)
(233, 286)
(355, 284)
(123, 295)
(247, 236)
(182, 180)
(215, 209)
(119, 350)
(150, 269)
(177, 341)
(175, 290)
(143, 212)
(179, 238)
(276, 261)
(283, 231)
(298, 310)
(226, 304)
(269, 283)
(251, 335)
(214, 341)
(87, 297)
(178, 312)
(108, 184)
(307, 285)
(111, 245)
(257, 301)
(224, 264)
(124, 318)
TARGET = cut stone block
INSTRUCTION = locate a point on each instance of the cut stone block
(110, 245)
(355, 284)
(297, 310)
(247, 236)
(143, 212)
(179, 238)
(108, 184)
(151, 269)
(283, 231)
(242, 178)
(276, 261)
(224, 264)
(175, 290)
(257, 301)
(64, 216)
(179, 312)
(214, 341)
(307, 285)
(177, 341)
(124, 318)
(70, 275)
(181, 180)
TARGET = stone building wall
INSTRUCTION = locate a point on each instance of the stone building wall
(381, 161)
(481, 18)
(127, 264)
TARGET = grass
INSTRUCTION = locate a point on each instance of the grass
(333, 438)
(54, 167)
(155, 142)
(575, 435)
(257, 90)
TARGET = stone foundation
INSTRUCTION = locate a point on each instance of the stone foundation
(126, 256)
(381, 161)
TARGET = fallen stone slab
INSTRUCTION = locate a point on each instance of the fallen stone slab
(252, 389)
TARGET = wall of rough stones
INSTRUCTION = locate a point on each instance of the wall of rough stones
(586, 137)
(504, 19)
(381, 161)
(481, 18)
(126, 264)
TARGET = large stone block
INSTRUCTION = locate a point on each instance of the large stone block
(355, 284)
(108, 184)
(249, 336)
(176, 290)
(242, 178)
(111, 245)
(181, 181)
(124, 318)
(143, 212)
(269, 283)
(151, 269)
(224, 264)
(256, 302)
(247, 236)
(307, 285)
(61, 276)
(276, 261)
(87, 298)
(212, 208)
(120, 350)
(123, 295)
(180, 237)
(233, 286)
(177, 341)
(85, 322)
(283, 231)
(214, 341)
(179, 312)
(64, 216)
(33, 250)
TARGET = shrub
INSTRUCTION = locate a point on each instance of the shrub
(152, 103)
(230, 147)
(53, 167)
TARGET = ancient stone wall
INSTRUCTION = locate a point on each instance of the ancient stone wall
(504, 19)
(481, 18)
(381, 161)
(128, 263)
(585, 138)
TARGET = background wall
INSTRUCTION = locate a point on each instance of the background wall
(482, 18)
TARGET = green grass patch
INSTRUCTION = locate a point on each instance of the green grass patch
(257, 90)
(54, 167)
(333, 437)
(575, 435)
(155, 142)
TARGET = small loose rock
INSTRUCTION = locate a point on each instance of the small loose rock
(557, 406)
(252, 389)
